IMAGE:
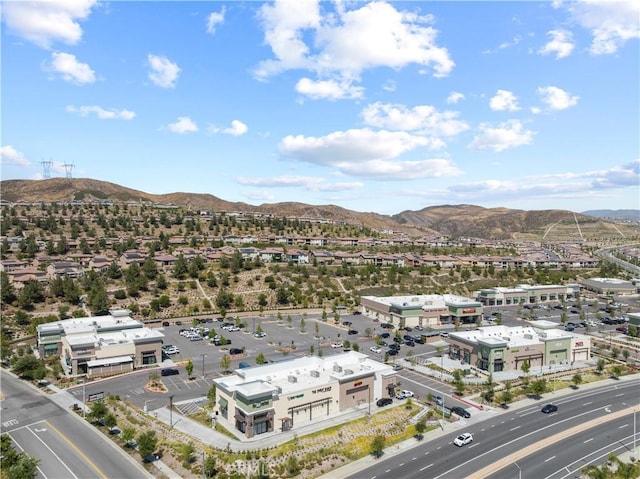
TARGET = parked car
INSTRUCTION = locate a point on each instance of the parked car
(353, 331)
(463, 439)
(404, 394)
(460, 411)
(166, 323)
(410, 343)
(384, 402)
(407, 337)
(387, 326)
(169, 372)
(356, 313)
(347, 323)
(336, 345)
(419, 328)
(391, 352)
(235, 351)
(375, 349)
(260, 334)
(549, 408)
(444, 334)
(385, 335)
(438, 400)
(397, 367)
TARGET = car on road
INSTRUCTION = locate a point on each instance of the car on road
(375, 349)
(404, 394)
(384, 402)
(460, 411)
(438, 400)
(463, 439)
(166, 323)
(549, 408)
(347, 323)
(356, 313)
(169, 372)
(397, 367)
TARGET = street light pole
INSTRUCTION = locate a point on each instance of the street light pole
(519, 471)
(203, 356)
(171, 411)
(84, 401)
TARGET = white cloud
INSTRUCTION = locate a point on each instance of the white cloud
(556, 98)
(422, 118)
(183, 125)
(214, 19)
(164, 73)
(506, 135)
(259, 196)
(237, 128)
(309, 183)
(612, 23)
(454, 97)
(71, 69)
(45, 22)
(367, 153)
(346, 42)
(101, 113)
(328, 89)
(561, 44)
(504, 100)
(10, 156)
(517, 39)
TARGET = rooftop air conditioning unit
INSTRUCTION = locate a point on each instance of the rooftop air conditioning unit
(315, 374)
(293, 379)
(348, 371)
(337, 368)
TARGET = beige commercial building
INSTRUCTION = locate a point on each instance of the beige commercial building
(100, 345)
(284, 395)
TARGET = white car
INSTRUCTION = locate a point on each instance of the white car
(463, 439)
(336, 345)
(375, 349)
(404, 394)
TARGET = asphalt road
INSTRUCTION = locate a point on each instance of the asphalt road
(66, 447)
(507, 435)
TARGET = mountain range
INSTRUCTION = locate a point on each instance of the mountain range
(451, 220)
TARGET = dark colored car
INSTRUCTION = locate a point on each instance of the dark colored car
(418, 339)
(347, 323)
(384, 402)
(385, 335)
(234, 351)
(392, 352)
(166, 323)
(353, 331)
(460, 411)
(169, 372)
(410, 343)
(549, 408)
(395, 346)
(407, 337)
(387, 326)
(356, 313)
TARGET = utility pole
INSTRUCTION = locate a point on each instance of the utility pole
(84, 401)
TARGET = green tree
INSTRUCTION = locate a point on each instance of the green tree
(189, 368)
(538, 387)
(209, 466)
(186, 453)
(616, 371)
(576, 380)
(29, 367)
(421, 426)
(127, 435)
(525, 368)
(377, 445)
(292, 466)
(211, 395)
(260, 359)
(32, 292)
(458, 382)
(147, 443)
(7, 291)
(600, 365)
(110, 421)
(225, 362)
(97, 410)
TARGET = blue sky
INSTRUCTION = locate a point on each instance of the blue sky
(372, 106)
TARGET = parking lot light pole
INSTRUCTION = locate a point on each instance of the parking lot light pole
(203, 356)
(519, 470)
(84, 401)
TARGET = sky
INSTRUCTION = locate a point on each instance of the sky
(372, 106)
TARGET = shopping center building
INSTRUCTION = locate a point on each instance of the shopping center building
(501, 348)
(425, 310)
(527, 294)
(100, 345)
(282, 396)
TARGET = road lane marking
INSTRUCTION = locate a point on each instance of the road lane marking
(22, 449)
(426, 467)
(623, 426)
(54, 454)
(511, 458)
(587, 403)
(588, 440)
(89, 461)
(551, 458)
(514, 428)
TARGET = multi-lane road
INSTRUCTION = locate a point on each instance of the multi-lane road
(65, 447)
(587, 426)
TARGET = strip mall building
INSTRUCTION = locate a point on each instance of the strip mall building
(502, 348)
(287, 394)
(100, 345)
(422, 310)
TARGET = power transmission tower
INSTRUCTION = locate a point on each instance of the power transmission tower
(46, 168)
(67, 168)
